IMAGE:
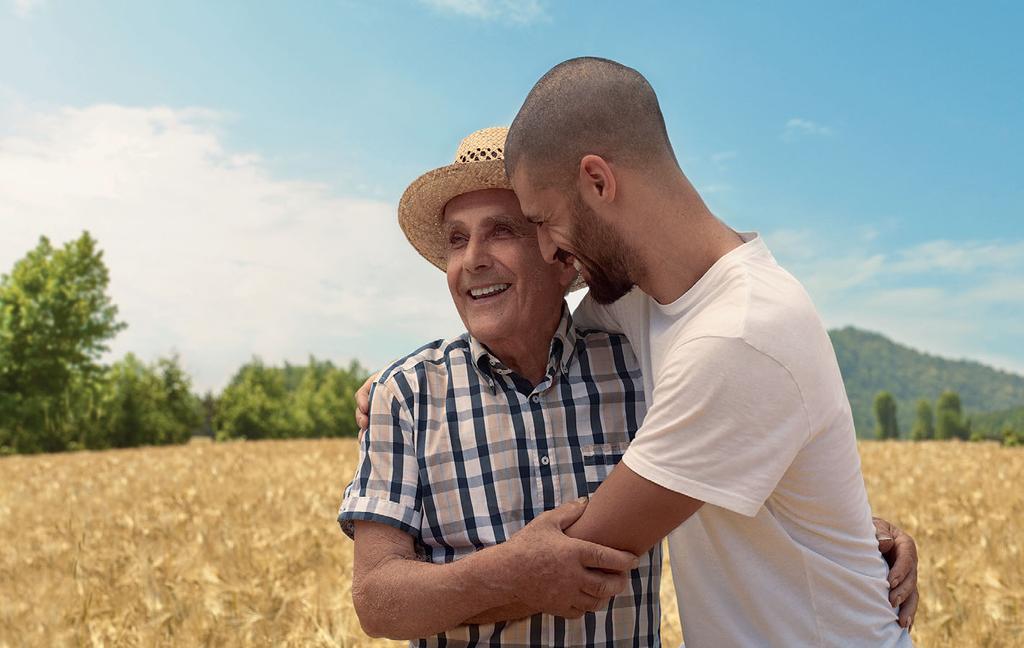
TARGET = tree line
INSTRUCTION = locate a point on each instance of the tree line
(56, 319)
(944, 421)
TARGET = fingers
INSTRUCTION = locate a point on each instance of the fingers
(597, 556)
(902, 591)
(903, 559)
(566, 514)
(909, 610)
(884, 533)
(363, 404)
(600, 585)
(589, 603)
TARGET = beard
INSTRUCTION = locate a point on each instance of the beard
(612, 264)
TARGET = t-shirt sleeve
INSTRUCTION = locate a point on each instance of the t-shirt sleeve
(386, 484)
(725, 424)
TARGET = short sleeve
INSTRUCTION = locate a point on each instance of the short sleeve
(386, 484)
(725, 424)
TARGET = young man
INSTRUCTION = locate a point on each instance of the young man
(747, 457)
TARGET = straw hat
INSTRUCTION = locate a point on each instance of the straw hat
(479, 164)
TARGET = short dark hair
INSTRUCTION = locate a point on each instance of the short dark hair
(587, 106)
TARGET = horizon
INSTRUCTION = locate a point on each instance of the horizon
(240, 166)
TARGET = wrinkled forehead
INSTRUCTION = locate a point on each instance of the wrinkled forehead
(487, 206)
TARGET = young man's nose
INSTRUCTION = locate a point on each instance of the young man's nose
(548, 249)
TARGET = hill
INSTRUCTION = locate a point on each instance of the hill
(870, 362)
(992, 424)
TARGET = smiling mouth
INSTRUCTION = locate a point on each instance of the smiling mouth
(485, 292)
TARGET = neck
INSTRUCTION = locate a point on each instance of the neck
(527, 354)
(678, 240)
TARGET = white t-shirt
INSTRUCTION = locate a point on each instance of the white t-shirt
(748, 413)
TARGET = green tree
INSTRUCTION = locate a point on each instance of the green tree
(255, 405)
(949, 423)
(886, 426)
(147, 405)
(55, 320)
(924, 423)
(315, 400)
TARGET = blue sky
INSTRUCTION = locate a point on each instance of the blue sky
(240, 163)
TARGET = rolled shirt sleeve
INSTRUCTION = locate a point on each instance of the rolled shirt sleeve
(725, 424)
(385, 488)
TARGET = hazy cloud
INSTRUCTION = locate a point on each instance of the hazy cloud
(24, 8)
(721, 158)
(525, 11)
(954, 298)
(799, 127)
(209, 252)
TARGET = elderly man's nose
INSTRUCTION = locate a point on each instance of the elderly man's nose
(477, 255)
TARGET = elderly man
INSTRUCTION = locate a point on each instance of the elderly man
(748, 454)
(470, 439)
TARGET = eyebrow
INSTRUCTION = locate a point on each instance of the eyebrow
(514, 222)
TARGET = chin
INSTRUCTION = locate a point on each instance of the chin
(488, 328)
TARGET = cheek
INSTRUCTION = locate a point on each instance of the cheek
(453, 277)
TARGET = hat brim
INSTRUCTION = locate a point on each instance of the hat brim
(421, 208)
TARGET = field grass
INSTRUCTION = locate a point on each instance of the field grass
(236, 544)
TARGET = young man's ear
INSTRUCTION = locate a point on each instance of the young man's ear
(596, 180)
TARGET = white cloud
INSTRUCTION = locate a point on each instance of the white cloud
(209, 252)
(24, 8)
(523, 12)
(961, 299)
(721, 158)
(798, 127)
(716, 188)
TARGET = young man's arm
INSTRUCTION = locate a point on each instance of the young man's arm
(398, 596)
(632, 513)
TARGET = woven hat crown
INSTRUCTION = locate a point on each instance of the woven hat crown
(485, 144)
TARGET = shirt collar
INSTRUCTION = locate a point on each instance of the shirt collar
(560, 353)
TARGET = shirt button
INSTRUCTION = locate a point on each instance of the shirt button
(535, 398)
(544, 460)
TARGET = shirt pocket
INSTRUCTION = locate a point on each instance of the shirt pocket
(598, 461)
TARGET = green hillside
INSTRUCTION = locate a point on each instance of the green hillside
(992, 424)
(871, 362)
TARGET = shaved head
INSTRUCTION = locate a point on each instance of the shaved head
(587, 106)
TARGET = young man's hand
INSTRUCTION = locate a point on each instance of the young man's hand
(363, 404)
(900, 551)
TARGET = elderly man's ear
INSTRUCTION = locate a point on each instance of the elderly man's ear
(567, 275)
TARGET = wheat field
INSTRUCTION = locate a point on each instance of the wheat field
(236, 544)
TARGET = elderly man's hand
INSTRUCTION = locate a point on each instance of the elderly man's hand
(900, 551)
(363, 405)
(564, 576)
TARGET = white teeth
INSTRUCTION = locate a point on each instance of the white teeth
(576, 264)
(489, 290)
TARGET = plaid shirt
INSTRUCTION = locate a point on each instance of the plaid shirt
(461, 453)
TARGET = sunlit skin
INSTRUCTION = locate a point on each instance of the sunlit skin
(671, 235)
(490, 243)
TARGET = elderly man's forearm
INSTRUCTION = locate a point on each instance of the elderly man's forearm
(406, 599)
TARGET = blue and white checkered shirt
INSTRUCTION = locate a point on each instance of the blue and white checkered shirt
(461, 453)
